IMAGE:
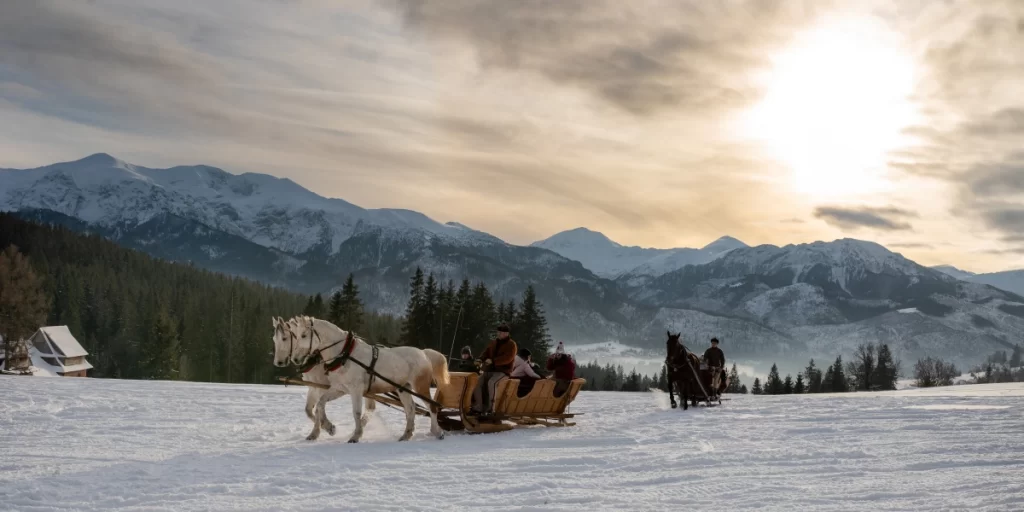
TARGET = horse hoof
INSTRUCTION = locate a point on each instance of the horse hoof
(329, 428)
(673, 406)
(353, 441)
(405, 437)
(312, 437)
(441, 437)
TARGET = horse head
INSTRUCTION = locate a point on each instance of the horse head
(282, 342)
(303, 334)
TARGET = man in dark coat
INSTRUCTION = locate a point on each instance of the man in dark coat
(715, 359)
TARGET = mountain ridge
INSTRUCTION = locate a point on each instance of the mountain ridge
(765, 300)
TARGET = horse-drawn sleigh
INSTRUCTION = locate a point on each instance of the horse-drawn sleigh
(691, 378)
(336, 362)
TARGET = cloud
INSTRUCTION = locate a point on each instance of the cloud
(885, 219)
(641, 58)
(911, 245)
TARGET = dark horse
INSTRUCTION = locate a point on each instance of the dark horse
(681, 377)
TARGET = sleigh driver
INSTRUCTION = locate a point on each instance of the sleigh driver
(715, 359)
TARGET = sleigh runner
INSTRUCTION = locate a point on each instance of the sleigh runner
(538, 407)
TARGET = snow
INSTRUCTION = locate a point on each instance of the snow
(60, 337)
(908, 310)
(192, 446)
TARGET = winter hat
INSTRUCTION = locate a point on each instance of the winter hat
(524, 353)
(503, 327)
(714, 340)
(560, 349)
(467, 350)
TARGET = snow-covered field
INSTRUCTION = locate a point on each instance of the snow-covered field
(91, 444)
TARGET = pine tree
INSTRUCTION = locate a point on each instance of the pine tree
(826, 382)
(663, 379)
(1015, 358)
(164, 347)
(839, 383)
(734, 380)
(531, 330)
(774, 385)
(743, 389)
(787, 386)
(756, 390)
(351, 310)
(23, 304)
(335, 310)
(319, 309)
(887, 370)
(799, 386)
(862, 368)
(814, 383)
(410, 333)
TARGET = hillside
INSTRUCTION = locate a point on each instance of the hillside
(140, 317)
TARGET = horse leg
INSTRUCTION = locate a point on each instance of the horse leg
(684, 393)
(357, 412)
(671, 391)
(311, 399)
(321, 416)
(371, 407)
(410, 414)
(423, 388)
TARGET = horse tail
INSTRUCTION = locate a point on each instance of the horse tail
(438, 366)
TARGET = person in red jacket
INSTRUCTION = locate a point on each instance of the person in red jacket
(564, 369)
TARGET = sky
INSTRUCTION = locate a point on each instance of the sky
(658, 123)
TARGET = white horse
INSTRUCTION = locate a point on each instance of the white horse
(284, 343)
(409, 367)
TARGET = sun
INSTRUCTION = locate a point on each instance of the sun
(837, 100)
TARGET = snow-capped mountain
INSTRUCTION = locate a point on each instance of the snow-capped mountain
(272, 212)
(843, 293)
(820, 298)
(609, 259)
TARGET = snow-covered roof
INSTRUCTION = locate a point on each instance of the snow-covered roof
(59, 337)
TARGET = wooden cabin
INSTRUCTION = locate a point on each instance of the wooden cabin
(59, 351)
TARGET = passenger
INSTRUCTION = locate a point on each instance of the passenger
(715, 359)
(523, 371)
(496, 362)
(564, 369)
(465, 363)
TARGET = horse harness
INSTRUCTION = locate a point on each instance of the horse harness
(346, 356)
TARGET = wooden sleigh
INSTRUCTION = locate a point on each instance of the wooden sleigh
(538, 407)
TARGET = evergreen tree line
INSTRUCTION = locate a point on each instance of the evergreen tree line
(137, 316)
(1000, 367)
(441, 316)
(345, 309)
(872, 369)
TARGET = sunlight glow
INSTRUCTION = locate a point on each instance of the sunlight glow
(837, 100)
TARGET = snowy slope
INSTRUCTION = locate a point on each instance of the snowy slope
(149, 445)
(950, 270)
(269, 211)
(1011, 280)
(609, 259)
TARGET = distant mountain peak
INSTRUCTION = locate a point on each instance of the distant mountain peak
(98, 159)
(579, 237)
(725, 243)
